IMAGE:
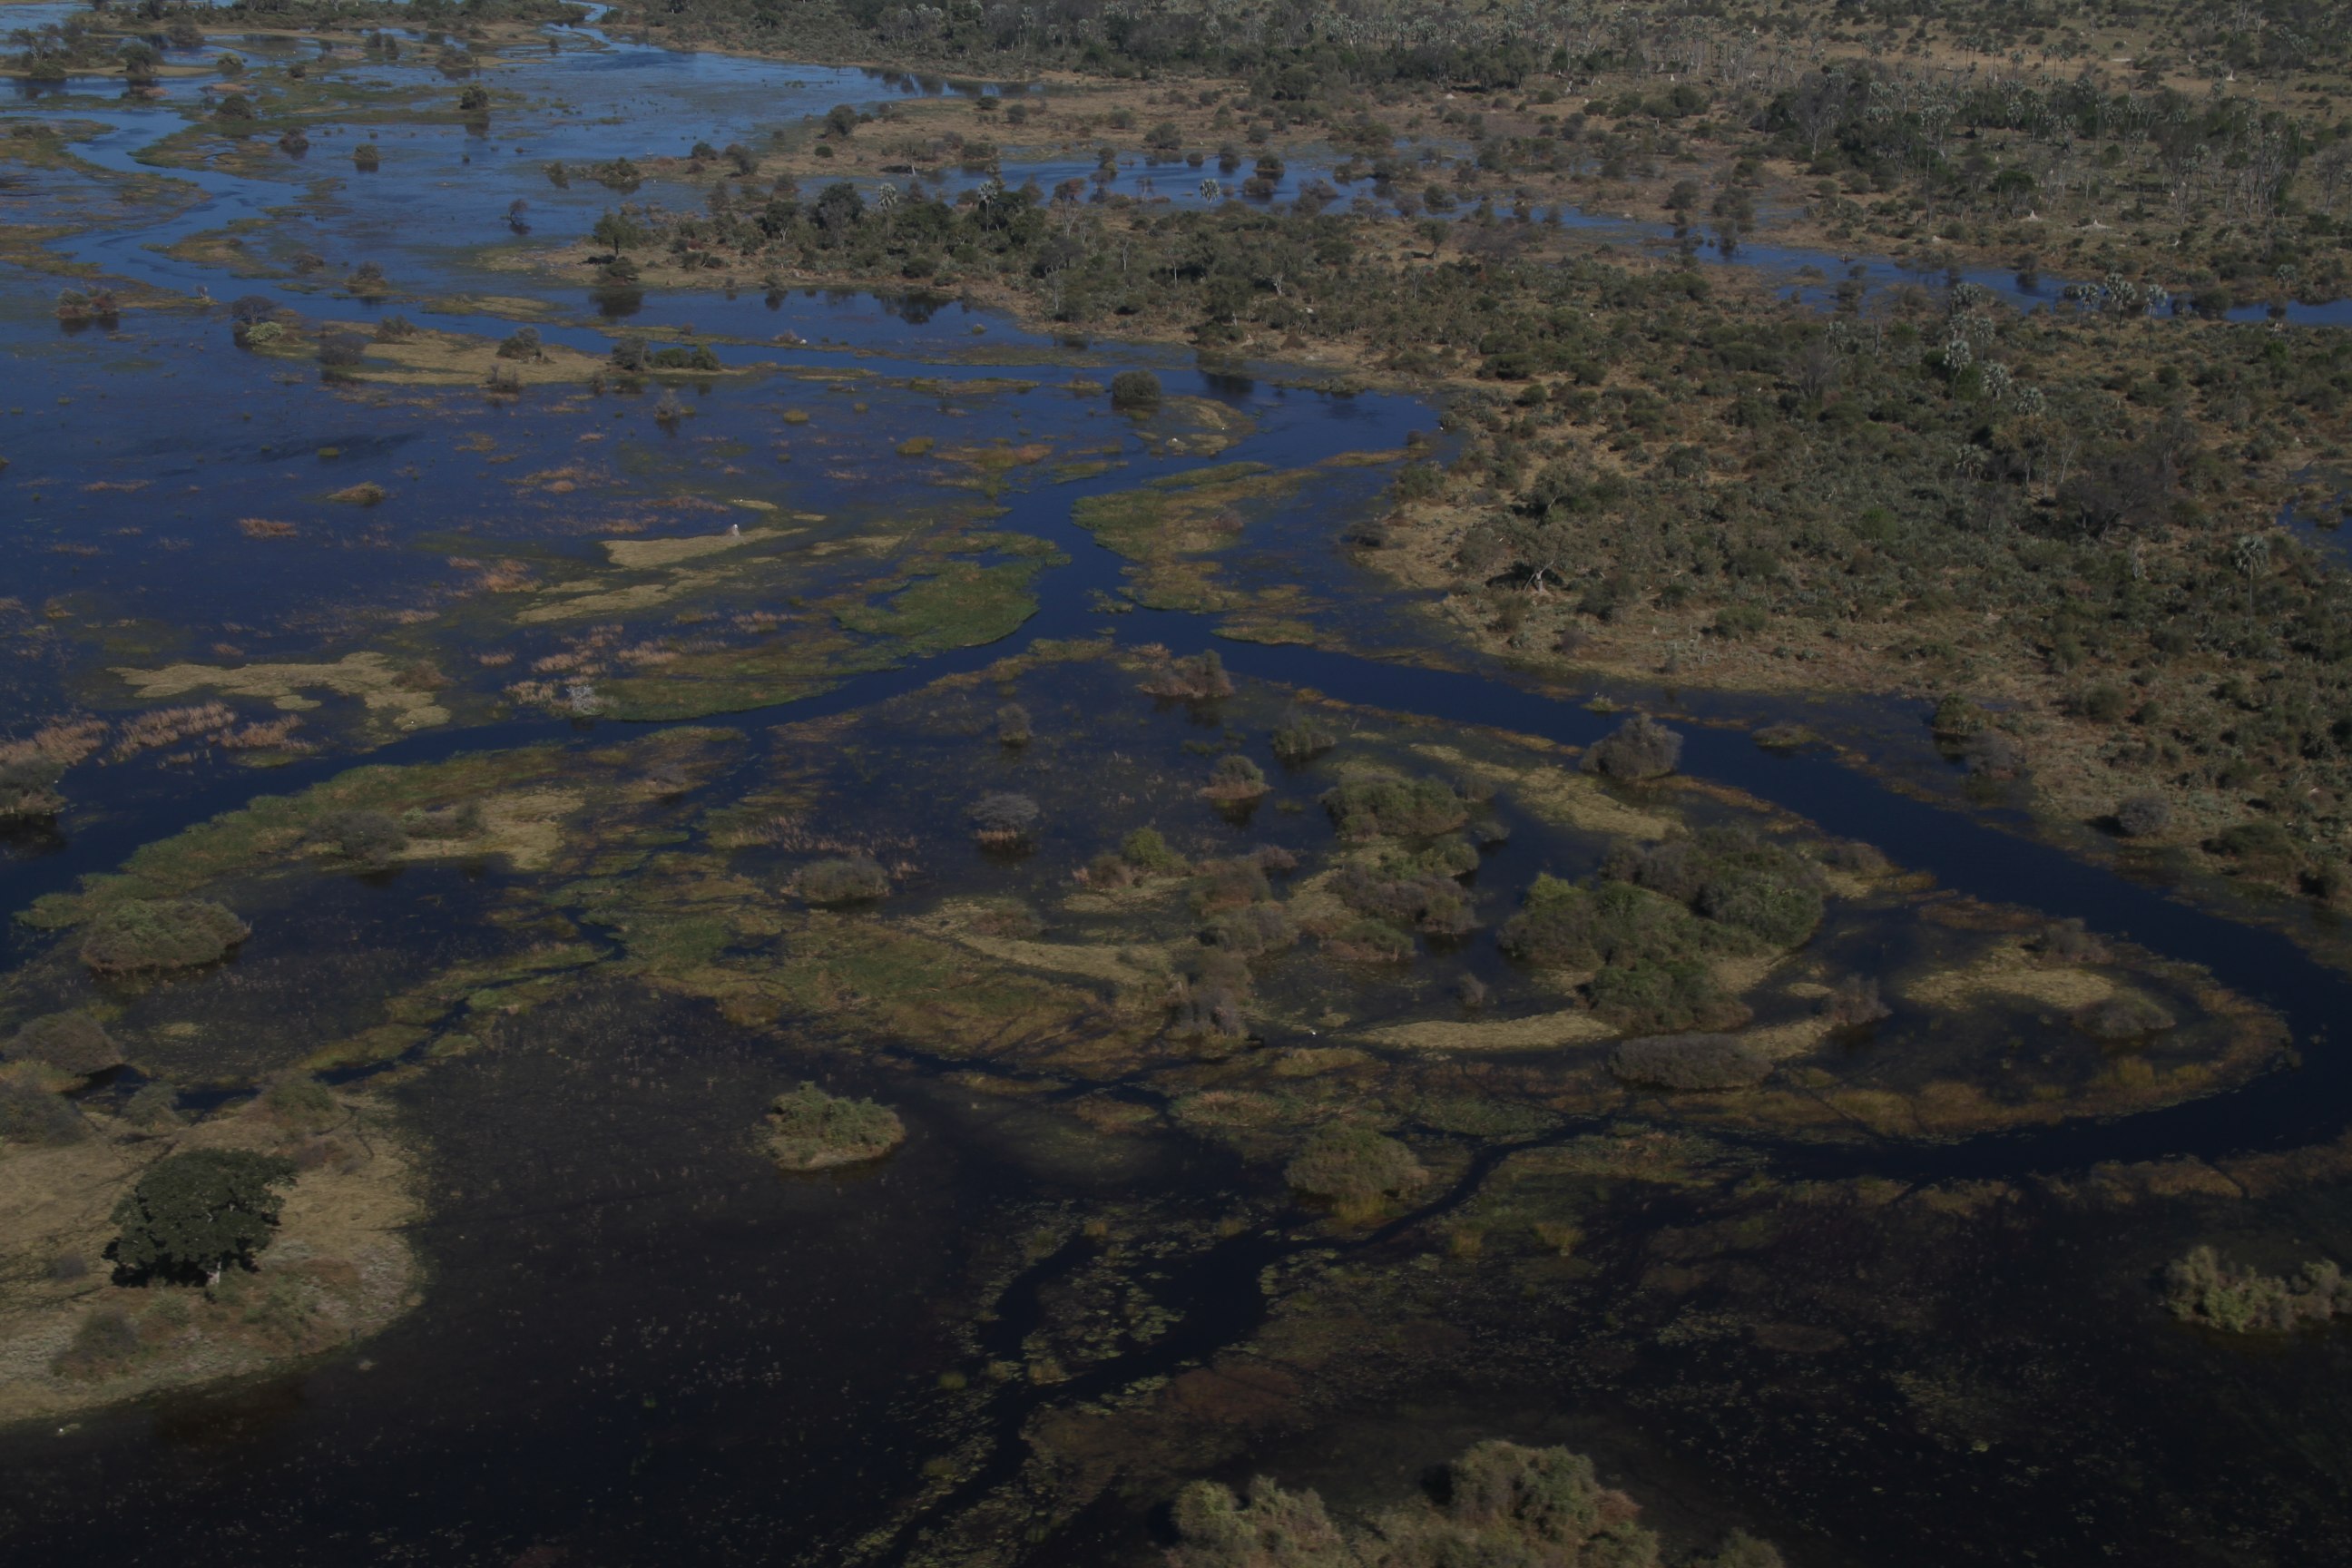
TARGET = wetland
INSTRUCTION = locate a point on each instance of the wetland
(827, 785)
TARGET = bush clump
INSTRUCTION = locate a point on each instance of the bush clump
(857, 880)
(1855, 1003)
(37, 1118)
(1147, 851)
(1006, 820)
(2123, 1018)
(1382, 805)
(1641, 748)
(1201, 678)
(1734, 878)
(1235, 778)
(1561, 925)
(1499, 1504)
(1135, 391)
(1353, 1169)
(1368, 941)
(1710, 1062)
(1300, 741)
(28, 788)
(2143, 816)
(372, 838)
(146, 934)
(1013, 725)
(104, 1344)
(2204, 1288)
(195, 1213)
(70, 1042)
(809, 1129)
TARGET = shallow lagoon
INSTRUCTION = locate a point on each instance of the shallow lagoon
(1850, 1334)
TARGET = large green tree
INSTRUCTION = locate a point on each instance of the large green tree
(195, 1213)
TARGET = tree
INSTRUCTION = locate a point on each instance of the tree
(1135, 390)
(193, 1215)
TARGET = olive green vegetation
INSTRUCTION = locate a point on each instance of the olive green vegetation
(1353, 1169)
(1498, 1503)
(2204, 1288)
(809, 1129)
(193, 1215)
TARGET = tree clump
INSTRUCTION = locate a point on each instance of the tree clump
(193, 1214)
(1705, 1062)
(856, 879)
(1500, 1504)
(1639, 749)
(142, 935)
(1005, 820)
(70, 1042)
(1135, 392)
(1353, 1169)
(1645, 950)
(1013, 728)
(809, 1129)
(2204, 1288)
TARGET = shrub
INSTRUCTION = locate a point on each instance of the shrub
(193, 1215)
(70, 1042)
(152, 1105)
(1955, 718)
(1706, 1062)
(1641, 748)
(1353, 1168)
(164, 934)
(2123, 1018)
(372, 838)
(1199, 678)
(1235, 778)
(844, 882)
(366, 158)
(1377, 805)
(36, 1118)
(2143, 816)
(809, 1129)
(1005, 821)
(1135, 391)
(395, 329)
(1229, 884)
(2068, 942)
(1431, 901)
(521, 344)
(1013, 725)
(1301, 740)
